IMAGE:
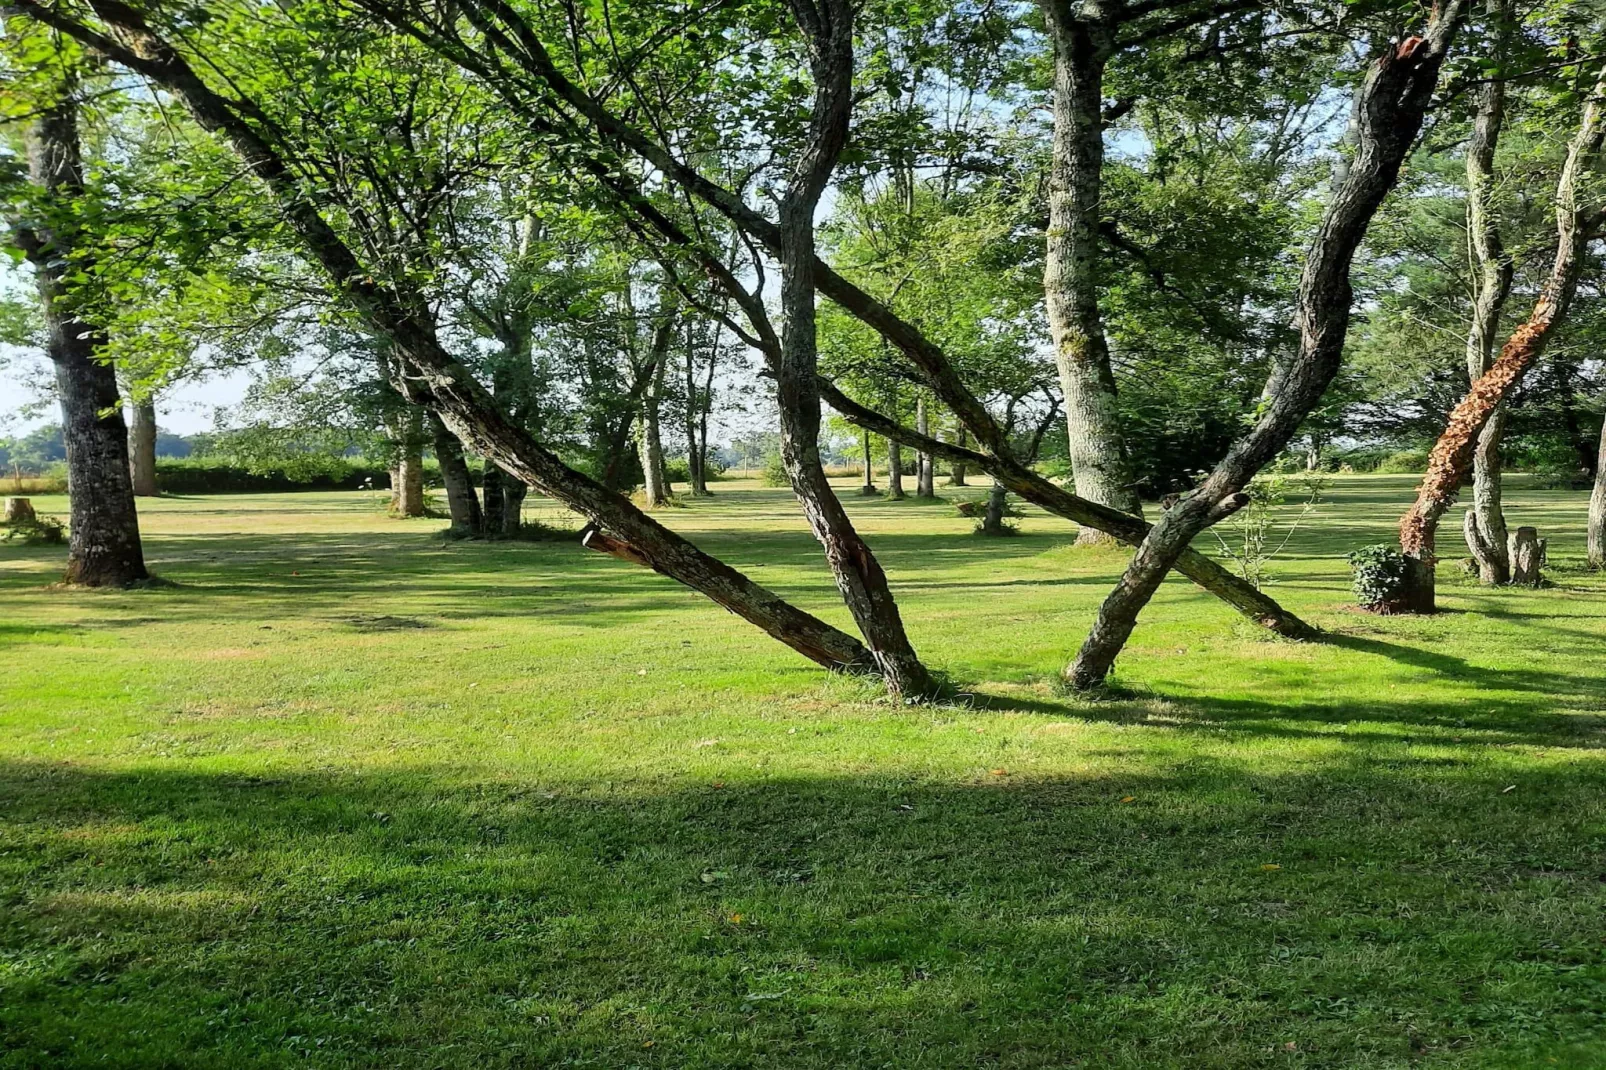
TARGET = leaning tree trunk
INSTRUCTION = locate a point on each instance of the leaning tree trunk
(461, 502)
(1452, 454)
(142, 448)
(1390, 107)
(859, 576)
(1597, 509)
(104, 549)
(1485, 525)
(1070, 274)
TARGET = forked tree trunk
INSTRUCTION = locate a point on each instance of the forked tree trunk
(1452, 454)
(867, 488)
(461, 501)
(858, 574)
(104, 548)
(1485, 524)
(1391, 104)
(1082, 48)
(142, 448)
(1597, 509)
(956, 470)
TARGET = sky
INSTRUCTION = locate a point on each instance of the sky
(184, 410)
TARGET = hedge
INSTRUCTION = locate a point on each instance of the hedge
(209, 475)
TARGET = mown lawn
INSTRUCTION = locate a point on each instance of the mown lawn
(349, 795)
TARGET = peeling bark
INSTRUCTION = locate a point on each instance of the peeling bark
(1390, 107)
(1452, 454)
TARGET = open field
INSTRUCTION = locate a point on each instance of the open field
(348, 795)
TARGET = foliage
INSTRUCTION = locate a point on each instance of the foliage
(1403, 462)
(1379, 573)
(212, 475)
(1253, 526)
(40, 531)
(774, 472)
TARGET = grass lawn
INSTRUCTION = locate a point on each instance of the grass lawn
(349, 795)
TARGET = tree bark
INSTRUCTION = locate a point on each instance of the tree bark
(894, 470)
(1485, 524)
(19, 511)
(142, 448)
(1452, 454)
(828, 26)
(407, 474)
(956, 469)
(104, 547)
(655, 475)
(1392, 102)
(1083, 44)
(461, 501)
(1597, 509)
(494, 510)
(925, 466)
(401, 315)
(867, 488)
(1527, 554)
(997, 499)
(696, 417)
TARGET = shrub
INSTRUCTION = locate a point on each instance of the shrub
(1379, 575)
(214, 475)
(1402, 462)
(40, 531)
(774, 474)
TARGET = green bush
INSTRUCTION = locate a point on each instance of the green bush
(1402, 462)
(774, 474)
(212, 475)
(40, 531)
(1379, 574)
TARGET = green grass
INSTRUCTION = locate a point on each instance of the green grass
(351, 795)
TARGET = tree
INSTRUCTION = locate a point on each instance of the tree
(104, 548)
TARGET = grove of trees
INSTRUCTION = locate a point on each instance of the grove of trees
(1120, 258)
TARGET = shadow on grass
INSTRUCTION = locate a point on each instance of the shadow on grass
(1195, 913)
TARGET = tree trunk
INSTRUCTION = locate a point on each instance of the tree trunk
(142, 448)
(859, 576)
(19, 511)
(1452, 454)
(1597, 509)
(440, 381)
(1527, 553)
(925, 467)
(494, 508)
(461, 501)
(104, 548)
(407, 476)
(956, 469)
(867, 488)
(1099, 466)
(992, 522)
(1485, 524)
(1391, 104)
(655, 478)
(514, 491)
(696, 447)
(894, 470)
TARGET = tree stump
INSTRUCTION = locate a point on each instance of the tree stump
(19, 511)
(1527, 551)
